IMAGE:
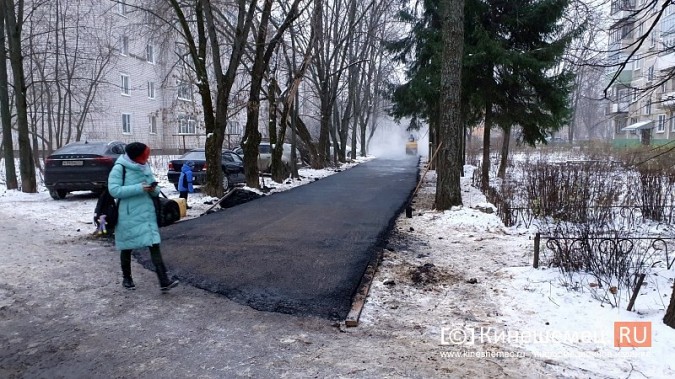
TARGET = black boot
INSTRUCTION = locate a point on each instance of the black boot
(165, 283)
(169, 284)
(128, 283)
(125, 259)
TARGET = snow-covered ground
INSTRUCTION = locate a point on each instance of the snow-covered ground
(461, 278)
(455, 293)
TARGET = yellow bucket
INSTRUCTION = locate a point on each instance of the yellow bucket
(182, 205)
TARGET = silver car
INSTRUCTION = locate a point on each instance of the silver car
(265, 155)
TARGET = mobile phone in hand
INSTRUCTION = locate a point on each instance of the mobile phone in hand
(154, 184)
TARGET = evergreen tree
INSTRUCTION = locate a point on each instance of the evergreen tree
(511, 51)
(514, 49)
(420, 51)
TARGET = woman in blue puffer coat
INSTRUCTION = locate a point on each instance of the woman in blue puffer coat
(132, 182)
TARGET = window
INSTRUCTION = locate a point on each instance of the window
(125, 84)
(124, 45)
(672, 122)
(635, 94)
(187, 124)
(619, 124)
(637, 64)
(152, 121)
(647, 110)
(151, 90)
(122, 7)
(650, 73)
(184, 91)
(150, 53)
(623, 95)
(126, 123)
(614, 35)
(234, 128)
(236, 158)
(661, 125)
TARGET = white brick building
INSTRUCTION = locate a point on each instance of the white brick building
(642, 98)
(145, 92)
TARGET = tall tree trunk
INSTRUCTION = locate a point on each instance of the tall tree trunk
(262, 56)
(669, 318)
(13, 26)
(448, 188)
(215, 118)
(252, 136)
(225, 82)
(571, 126)
(290, 105)
(330, 64)
(272, 109)
(294, 139)
(485, 167)
(505, 152)
(5, 112)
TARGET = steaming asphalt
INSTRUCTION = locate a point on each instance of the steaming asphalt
(301, 251)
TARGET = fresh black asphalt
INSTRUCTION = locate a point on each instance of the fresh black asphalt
(301, 251)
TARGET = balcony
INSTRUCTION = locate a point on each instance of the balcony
(622, 9)
(618, 108)
(625, 77)
(668, 100)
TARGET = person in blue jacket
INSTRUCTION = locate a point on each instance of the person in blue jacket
(132, 182)
(185, 180)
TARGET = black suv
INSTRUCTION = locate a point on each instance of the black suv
(81, 166)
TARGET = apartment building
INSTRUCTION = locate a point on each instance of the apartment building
(641, 107)
(125, 74)
(149, 94)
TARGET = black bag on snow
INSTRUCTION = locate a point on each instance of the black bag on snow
(167, 211)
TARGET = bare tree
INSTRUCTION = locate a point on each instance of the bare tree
(369, 74)
(263, 54)
(334, 33)
(5, 110)
(200, 32)
(588, 119)
(69, 53)
(14, 18)
(289, 104)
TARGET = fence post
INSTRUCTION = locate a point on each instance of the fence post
(537, 237)
(631, 303)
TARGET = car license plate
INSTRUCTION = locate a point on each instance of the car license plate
(72, 163)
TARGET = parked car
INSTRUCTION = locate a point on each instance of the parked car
(265, 155)
(232, 166)
(81, 166)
